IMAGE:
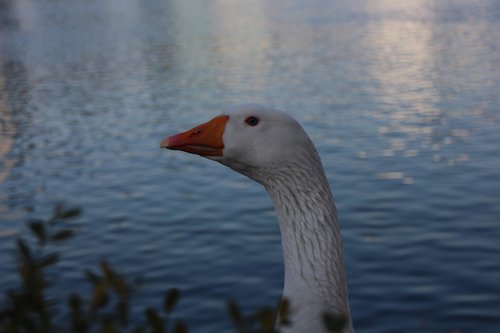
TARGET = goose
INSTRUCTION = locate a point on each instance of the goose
(270, 147)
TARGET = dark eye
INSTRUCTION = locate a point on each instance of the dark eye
(252, 121)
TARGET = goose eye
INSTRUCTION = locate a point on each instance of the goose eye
(252, 121)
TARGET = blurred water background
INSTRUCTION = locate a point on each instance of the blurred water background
(402, 99)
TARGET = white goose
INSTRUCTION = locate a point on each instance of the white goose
(271, 147)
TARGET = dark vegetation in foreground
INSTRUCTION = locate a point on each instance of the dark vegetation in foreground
(106, 309)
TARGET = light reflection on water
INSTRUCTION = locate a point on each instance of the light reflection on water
(401, 99)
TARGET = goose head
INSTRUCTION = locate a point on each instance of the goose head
(251, 139)
(271, 147)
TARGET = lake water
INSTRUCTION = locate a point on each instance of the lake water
(401, 98)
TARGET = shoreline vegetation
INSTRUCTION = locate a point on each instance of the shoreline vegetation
(30, 307)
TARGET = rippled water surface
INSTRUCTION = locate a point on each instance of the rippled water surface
(401, 98)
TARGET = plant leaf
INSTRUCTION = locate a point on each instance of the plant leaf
(62, 235)
(100, 296)
(49, 259)
(122, 312)
(334, 323)
(235, 313)
(64, 213)
(180, 327)
(267, 318)
(115, 280)
(171, 298)
(75, 302)
(70, 213)
(155, 321)
(92, 277)
(24, 250)
(284, 312)
(38, 229)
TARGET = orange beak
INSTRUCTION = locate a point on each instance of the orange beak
(204, 140)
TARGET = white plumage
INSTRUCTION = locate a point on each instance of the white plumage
(271, 147)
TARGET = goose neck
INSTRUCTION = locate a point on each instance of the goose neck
(312, 244)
